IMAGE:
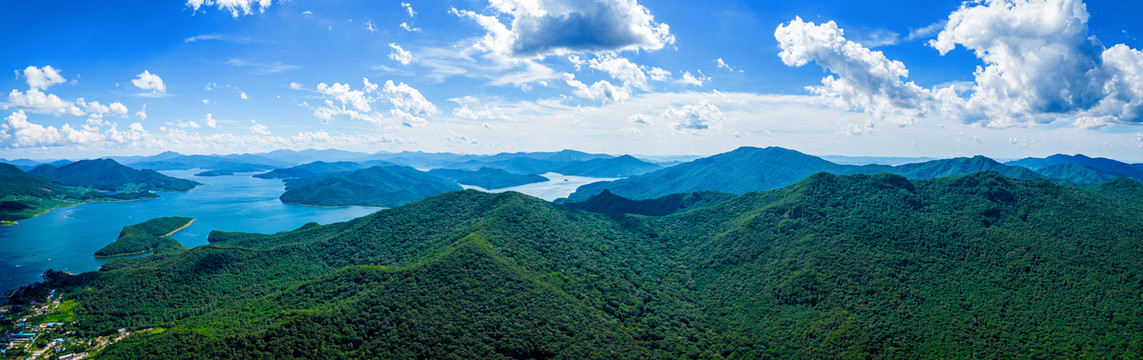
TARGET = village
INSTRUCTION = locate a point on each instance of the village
(45, 330)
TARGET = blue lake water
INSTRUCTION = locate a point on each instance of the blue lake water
(65, 239)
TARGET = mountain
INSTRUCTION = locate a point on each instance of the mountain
(209, 162)
(1104, 165)
(106, 174)
(742, 170)
(608, 203)
(315, 168)
(1075, 174)
(860, 266)
(230, 169)
(146, 236)
(622, 166)
(557, 156)
(488, 178)
(311, 155)
(960, 166)
(749, 169)
(376, 186)
(24, 195)
(26, 164)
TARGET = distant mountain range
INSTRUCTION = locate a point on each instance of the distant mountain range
(756, 169)
(24, 195)
(316, 168)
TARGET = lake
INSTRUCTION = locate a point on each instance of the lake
(65, 239)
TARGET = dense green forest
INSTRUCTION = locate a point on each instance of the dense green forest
(488, 178)
(106, 174)
(146, 236)
(385, 186)
(608, 203)
(859, 266)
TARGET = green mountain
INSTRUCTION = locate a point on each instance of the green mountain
(24, 195)
(106, 174)
(862, 266)
(608, 203)
(749, 169)
(1104, 165)
(622, 166)
(1075, 174)
(315, 168)
(376, 186)
(146, 236)
(488, 178)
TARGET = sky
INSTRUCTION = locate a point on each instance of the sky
(1001, 78)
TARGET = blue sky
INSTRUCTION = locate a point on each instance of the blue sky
(880, 78)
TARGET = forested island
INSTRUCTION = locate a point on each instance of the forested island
(146, 237)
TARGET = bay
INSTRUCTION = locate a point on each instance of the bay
(65, 239)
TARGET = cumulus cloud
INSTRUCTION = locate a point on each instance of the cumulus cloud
(210, 122)
(601, 90)
(369, 26)
(400, 55)
(39, 102)
(689, 79)
(185, 124)
(698, 117)
(42, 78)
(659, 74)
(149, 82)
(621, 69)
(22, 133)
(257, 128)
(235, 7)
(866, 80)
(142, 113)
(295, 86)
(539, 28)
(242, 94)
(95, 107)
(1039, 65)
(409, 106)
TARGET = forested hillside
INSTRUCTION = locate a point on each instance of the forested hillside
(106, 174)
(385, 186)
(861, 266)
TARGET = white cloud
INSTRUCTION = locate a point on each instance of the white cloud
(369, 26)
(257, 128)
(407, 27)
(24, 134)
(659, 74)
(235, 7)
(210, 122)
(242, 94)
(602, 90)
(346, 96)
(408, 99)
(142, 113)
(723, 65)
(539, 28)
(42, 78)
(295, 86)
(185, 124)
(866, 80)
(642, 119)
(95, 107)
(400, 55)
(409, 8)
(219, 37)
(263, 68)
(150, 82)
(484, 112)
(621, 69)
(701, 116)
(42, 103)
(689, 79)
(206, 101)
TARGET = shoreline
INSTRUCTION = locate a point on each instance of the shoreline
(78, 203)
(180, 228)
(147, 250)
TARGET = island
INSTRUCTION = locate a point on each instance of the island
(488, 178)
(387, 186)
(147, 236)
